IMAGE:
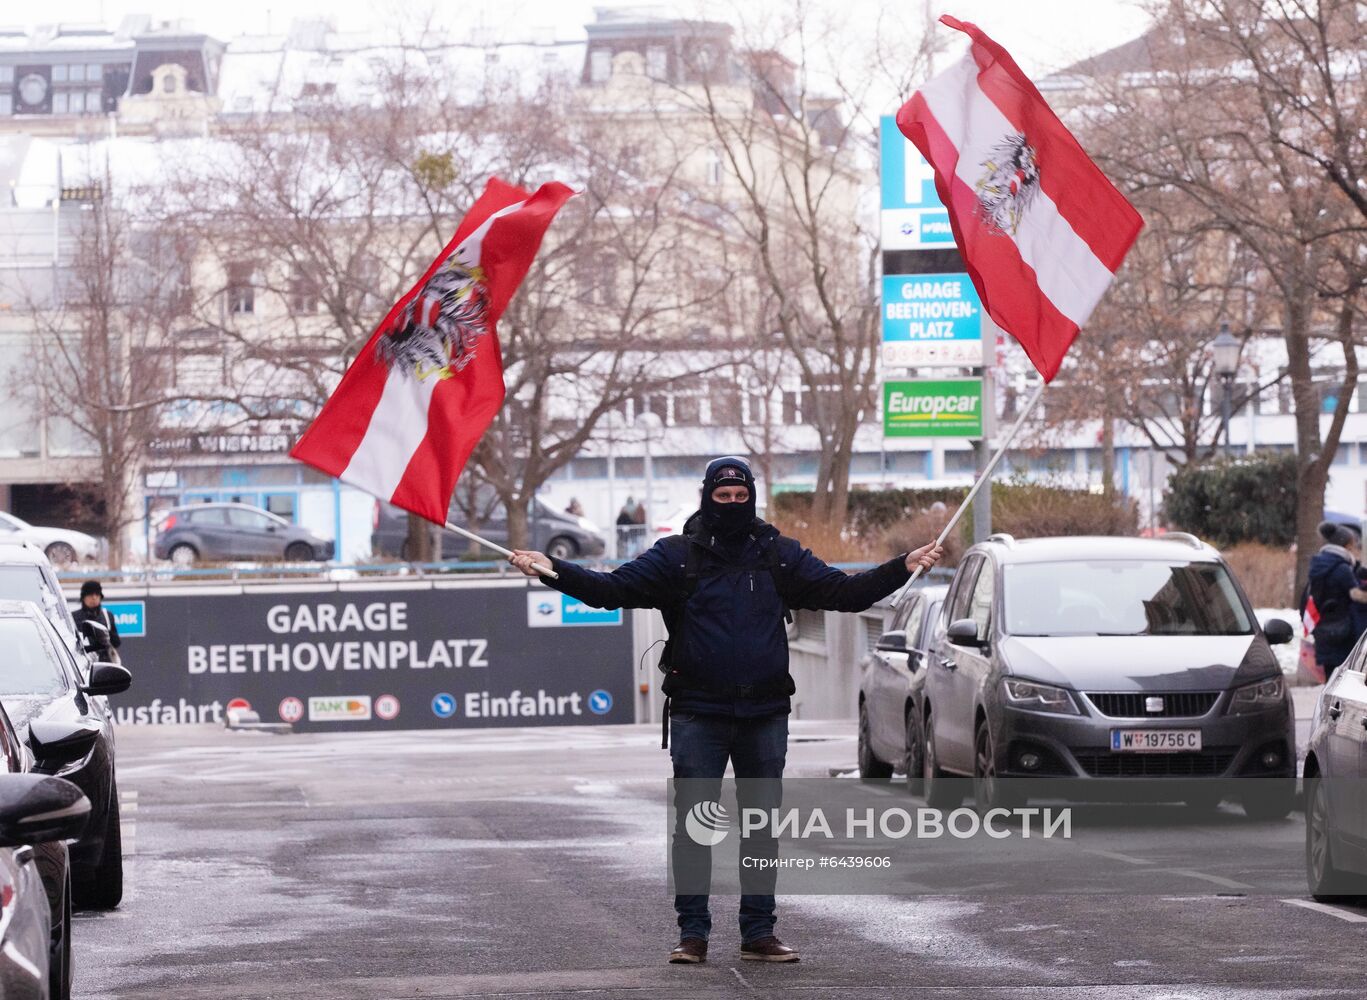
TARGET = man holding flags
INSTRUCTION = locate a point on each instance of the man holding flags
(1042, 233)
(724, 587)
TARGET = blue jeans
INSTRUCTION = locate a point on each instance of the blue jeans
(700, 745)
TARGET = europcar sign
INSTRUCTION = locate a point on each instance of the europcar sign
(408, 657)
(933, 408)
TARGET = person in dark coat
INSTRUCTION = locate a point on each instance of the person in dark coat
(104, 639)
(724, 587)
(1335, 588)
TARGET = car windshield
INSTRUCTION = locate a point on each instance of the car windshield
(28, 665)
(1122, 597)
(21, 583)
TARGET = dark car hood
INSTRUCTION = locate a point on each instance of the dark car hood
(1139, 663)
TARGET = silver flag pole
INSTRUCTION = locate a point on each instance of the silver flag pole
(985, 477)
(545, 571)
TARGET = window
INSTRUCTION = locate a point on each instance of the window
(6, 104)
(94, 72)
(980, 608)
(241, 294)
(59, 73)
(31, 666)
(168, 83)
(600, 66)
(792, 406)
(963, 589)
(77, 101)
(240, 517)
(6, 74)
(913, 624)
(59, 102)
(303, 291)
(281, 505)
(208, 517)
(657, 62)
(715, 166)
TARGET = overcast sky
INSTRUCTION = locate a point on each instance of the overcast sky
(1043, 35)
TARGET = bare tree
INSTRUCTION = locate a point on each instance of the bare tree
(1195, 124)
(101, 357)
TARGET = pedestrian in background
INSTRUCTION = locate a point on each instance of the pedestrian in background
(575, 507)
(1333, 584)
(724, 587)
(103, 639)
(625, 519)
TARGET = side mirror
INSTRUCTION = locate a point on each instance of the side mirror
(1276, 631)
(108, 678)
(35, 809)
(57, 744)
(893, 642)
(963, 632)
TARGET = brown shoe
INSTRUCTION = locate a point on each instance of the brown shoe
(769, 949)
(689, 951)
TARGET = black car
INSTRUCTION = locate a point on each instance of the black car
(554, 532)
(892, 689)
(232, 532)
(44, 692)
(1103, 661)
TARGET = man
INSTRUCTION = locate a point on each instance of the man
(724, 587)
(104, 638)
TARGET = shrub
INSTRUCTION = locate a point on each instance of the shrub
(1267, 573)
(883, 522)
(1228, 501)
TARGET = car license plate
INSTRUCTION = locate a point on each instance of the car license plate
(1155, 740)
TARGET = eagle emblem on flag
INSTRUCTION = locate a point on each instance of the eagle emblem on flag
(439, 330)
(1008, 184)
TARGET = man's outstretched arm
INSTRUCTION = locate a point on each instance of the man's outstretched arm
(648, 581)
(816, 586)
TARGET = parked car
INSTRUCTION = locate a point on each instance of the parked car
(1106, 658)
(61, 545)
(48, 698)
(27, 575)
(892, 689)
(554, 532)
(231, 532)
(38, 814)
(1335, 803)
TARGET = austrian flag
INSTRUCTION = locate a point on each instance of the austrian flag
(411, 408)
(1041, 230)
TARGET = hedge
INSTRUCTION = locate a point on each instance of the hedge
(1232, 500)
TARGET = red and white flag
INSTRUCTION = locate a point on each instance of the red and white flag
(1041, 230)
(414, 403)
(1310, 615)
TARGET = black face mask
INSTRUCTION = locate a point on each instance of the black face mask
(728, 520)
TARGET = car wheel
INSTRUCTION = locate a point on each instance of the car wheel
(1326, 883)
(299, 552)
(1268, 798)
(562, 548)
(59, 951)
(102, 888)
(870, 767)
(60, 554)
(183, 556)
(988, 790)
(915, 768)
(941, 790)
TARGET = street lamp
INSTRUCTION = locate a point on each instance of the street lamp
(1226, 350)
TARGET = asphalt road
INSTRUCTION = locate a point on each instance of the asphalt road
(527, 863)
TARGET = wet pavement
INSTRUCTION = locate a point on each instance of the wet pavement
(530, 863)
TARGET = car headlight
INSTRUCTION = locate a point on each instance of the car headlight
(1258, 697)
(1038, 697)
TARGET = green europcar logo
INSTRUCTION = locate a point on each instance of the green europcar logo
(933, 408)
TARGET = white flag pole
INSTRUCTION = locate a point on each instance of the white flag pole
(985, 477)
(543, 570)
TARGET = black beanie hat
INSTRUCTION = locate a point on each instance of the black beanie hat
(728, 519)
(91, 587)
(1337, 534)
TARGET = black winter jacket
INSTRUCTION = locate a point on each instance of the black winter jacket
(730, 633)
